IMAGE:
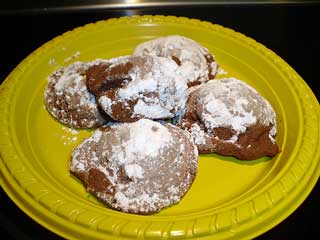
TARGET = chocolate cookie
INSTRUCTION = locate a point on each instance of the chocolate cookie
(196, 64)
(138, 167)
(68, 100)
(132, 88)
(230, 118)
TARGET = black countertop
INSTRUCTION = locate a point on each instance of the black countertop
(290, 30)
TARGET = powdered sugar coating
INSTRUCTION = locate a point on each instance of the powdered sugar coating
(67, 97)
(230, 103)
(147, 166)
(196, 64)
(229, 117)
(152, 89)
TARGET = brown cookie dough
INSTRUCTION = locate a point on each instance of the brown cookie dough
(196, 64)
(132, 88)
(138, 167)
(229, 117)
(68, 100)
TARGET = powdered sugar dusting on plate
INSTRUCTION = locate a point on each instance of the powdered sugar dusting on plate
(70, 136)
(221, 71)
(75, 55)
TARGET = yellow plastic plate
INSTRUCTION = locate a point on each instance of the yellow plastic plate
(229, 199)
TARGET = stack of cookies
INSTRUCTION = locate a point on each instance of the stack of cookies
(156, 110)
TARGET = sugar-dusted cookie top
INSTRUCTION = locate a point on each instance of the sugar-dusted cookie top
(138, 167)
(231, 118)
(68, 100)
(132, 88)
(196, 64)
